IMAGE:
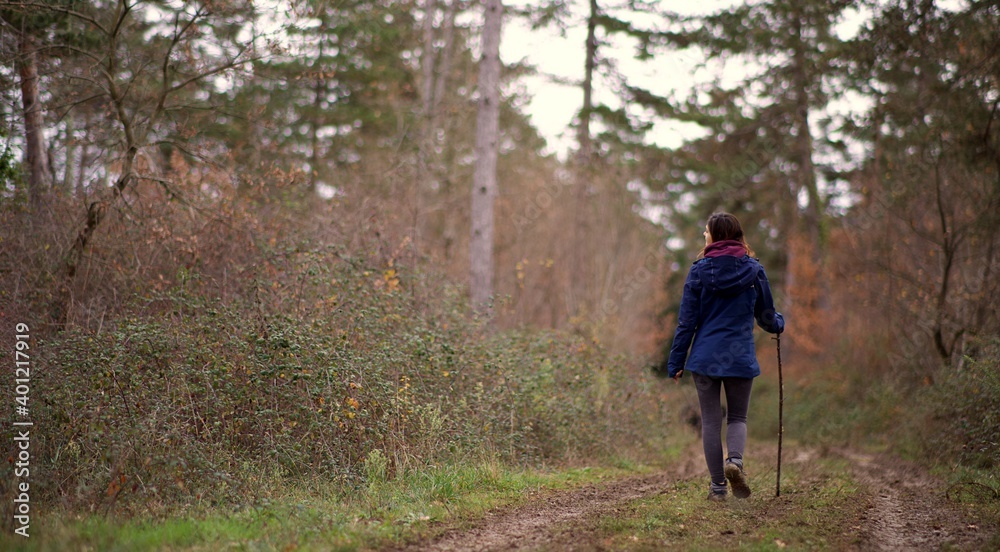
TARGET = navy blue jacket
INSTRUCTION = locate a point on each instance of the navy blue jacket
(722, 297)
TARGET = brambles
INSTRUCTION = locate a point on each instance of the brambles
(960, 414)
(191, 398)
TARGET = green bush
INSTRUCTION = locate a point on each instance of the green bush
(958, 418)
(328, 367)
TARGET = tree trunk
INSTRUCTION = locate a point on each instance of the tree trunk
(319, 91)
(423, 181)
(484, 186)
(949, 242)
(35, 158)
(986, 283)
(441, 73)
(806, 283)
(59, 312)
(81, 171)
(578, 271)
(804, 142)
(427, 58)
(444, 66)
(583, 132)
(72, 147)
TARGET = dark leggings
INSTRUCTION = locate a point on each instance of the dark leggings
(737, 401)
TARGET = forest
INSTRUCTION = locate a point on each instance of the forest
(309, 274)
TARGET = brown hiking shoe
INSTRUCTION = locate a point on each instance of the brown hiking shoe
(718, 492)
(738, 480)
(715, 496)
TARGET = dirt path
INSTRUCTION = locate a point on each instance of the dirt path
(532, 526)
(908, 511)
(536, 524)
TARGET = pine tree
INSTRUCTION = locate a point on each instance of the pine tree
(760, 146)
(930, 191)
(758, 158)
(339, 89)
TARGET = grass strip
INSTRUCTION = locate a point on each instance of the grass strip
(317, 516)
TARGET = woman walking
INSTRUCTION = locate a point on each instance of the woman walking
(726, 290)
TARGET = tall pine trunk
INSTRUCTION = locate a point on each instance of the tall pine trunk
(579, 272)
(806, 280)
(443, 68)
(35, 158)
(427, 58)
(484, 186)
(813, 219)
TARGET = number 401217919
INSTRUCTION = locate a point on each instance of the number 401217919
(21, 358)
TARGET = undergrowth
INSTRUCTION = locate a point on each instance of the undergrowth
(336, 368)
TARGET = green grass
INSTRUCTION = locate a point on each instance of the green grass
(314, 516)
(817, 499)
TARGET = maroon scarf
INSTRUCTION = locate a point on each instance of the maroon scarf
(733, 248)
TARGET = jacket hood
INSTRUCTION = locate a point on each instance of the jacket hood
(727, 274)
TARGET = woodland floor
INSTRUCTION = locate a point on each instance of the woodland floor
(839, 500)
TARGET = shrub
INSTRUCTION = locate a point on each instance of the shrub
(329, 367)
(958, 418)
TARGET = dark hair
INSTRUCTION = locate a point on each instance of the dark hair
(724, 226)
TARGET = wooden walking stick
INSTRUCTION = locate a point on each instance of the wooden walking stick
(781, 416)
